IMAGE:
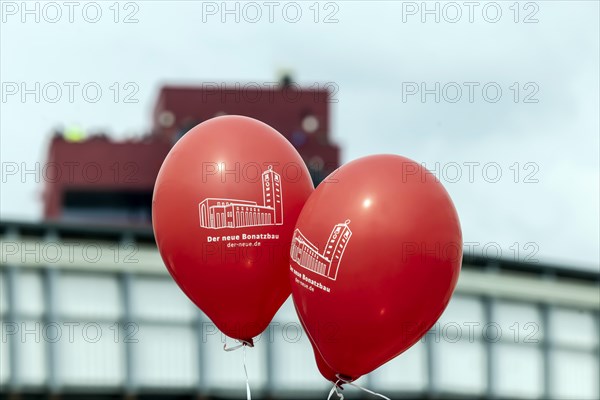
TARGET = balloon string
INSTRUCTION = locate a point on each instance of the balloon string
(243, 347)
(359, 387)
(248, 395)
(335, 389)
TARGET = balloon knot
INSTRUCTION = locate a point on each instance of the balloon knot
(343, 379)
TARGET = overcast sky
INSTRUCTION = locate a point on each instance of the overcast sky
(378, 54)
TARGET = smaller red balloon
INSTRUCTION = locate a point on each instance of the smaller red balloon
(374, 260)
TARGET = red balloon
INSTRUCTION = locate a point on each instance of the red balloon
(375, 258)
(224, 207)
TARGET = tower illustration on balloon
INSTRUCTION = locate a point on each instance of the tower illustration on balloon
(307, 255)
(216, 213)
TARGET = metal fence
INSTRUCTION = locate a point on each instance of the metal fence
(93, 311)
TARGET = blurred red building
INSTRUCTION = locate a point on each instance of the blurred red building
(101, 180)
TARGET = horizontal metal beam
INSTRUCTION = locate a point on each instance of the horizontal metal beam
(82, 255)
(88, 255)
(524, 287)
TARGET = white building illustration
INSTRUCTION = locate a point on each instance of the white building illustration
(232, 213)
(306, 254)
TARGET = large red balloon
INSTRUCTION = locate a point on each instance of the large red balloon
(374, 261)
(225, 204)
